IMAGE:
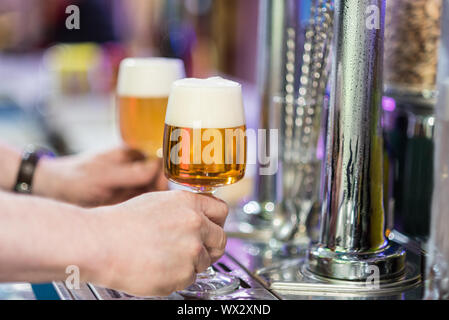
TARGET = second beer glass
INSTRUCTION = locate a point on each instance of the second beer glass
(142, 95)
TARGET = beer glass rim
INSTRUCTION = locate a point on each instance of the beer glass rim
(147, 77)
(143, 61)
(216, 82)
(214, 102)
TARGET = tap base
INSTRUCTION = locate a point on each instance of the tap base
(386, 265)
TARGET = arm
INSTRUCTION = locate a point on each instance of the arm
(151, 245)
(39, 238)
(87, 180)
(100, 179)
(9, 166)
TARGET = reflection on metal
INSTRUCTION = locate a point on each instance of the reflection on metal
(292, 279)
(352, 231)
(300, 178)
(297, 114)
(277, 64)
(16, 291)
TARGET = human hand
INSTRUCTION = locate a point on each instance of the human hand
(102, 179)
(155, 244)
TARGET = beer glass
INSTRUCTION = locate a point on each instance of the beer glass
(142, 95)
(204, 149)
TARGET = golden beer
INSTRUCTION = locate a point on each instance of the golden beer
(142, 123)
(215, 158)
(205, 148)
(142, 96)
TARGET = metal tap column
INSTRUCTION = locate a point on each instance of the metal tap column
(352, 232)
(277, 19)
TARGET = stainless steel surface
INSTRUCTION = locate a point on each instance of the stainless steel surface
(352, 231)
(16, 291)
(249, 289)
(291, 279)
(388, 263)
(352, 222)
(83, 293)
(282, 268)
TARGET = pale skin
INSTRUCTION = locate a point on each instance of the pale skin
(150, 245)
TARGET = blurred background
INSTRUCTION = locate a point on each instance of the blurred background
(57, 85)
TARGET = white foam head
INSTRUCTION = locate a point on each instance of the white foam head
(206, 103)
(148, 77)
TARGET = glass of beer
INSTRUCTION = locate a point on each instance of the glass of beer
(142, 95)
(204, 149)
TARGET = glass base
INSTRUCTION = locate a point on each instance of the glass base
(211, 283)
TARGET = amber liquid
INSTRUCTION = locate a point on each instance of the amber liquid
(194, 167)
(142, 123)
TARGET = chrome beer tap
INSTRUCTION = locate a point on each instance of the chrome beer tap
(277, 35)
(352, 243)
(297, 113)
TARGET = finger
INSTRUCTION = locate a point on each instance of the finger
(214, 239)
(123, 154)
(137, 174)
(204, 261)
(160, 183)
(213, 208)
(123, 195)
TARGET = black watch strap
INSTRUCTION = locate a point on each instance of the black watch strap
(30, 158)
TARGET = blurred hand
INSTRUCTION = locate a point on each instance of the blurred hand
(155, 244)
(103, 179)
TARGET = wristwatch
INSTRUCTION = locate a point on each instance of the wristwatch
(30, 159)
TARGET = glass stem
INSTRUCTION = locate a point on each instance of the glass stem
(208, 192)
(205, 190)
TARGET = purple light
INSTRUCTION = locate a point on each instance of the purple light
(388, 104)
(320, 148)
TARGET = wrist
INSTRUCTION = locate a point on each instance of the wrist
(96, 260)
(9, 167)
(45, 182)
